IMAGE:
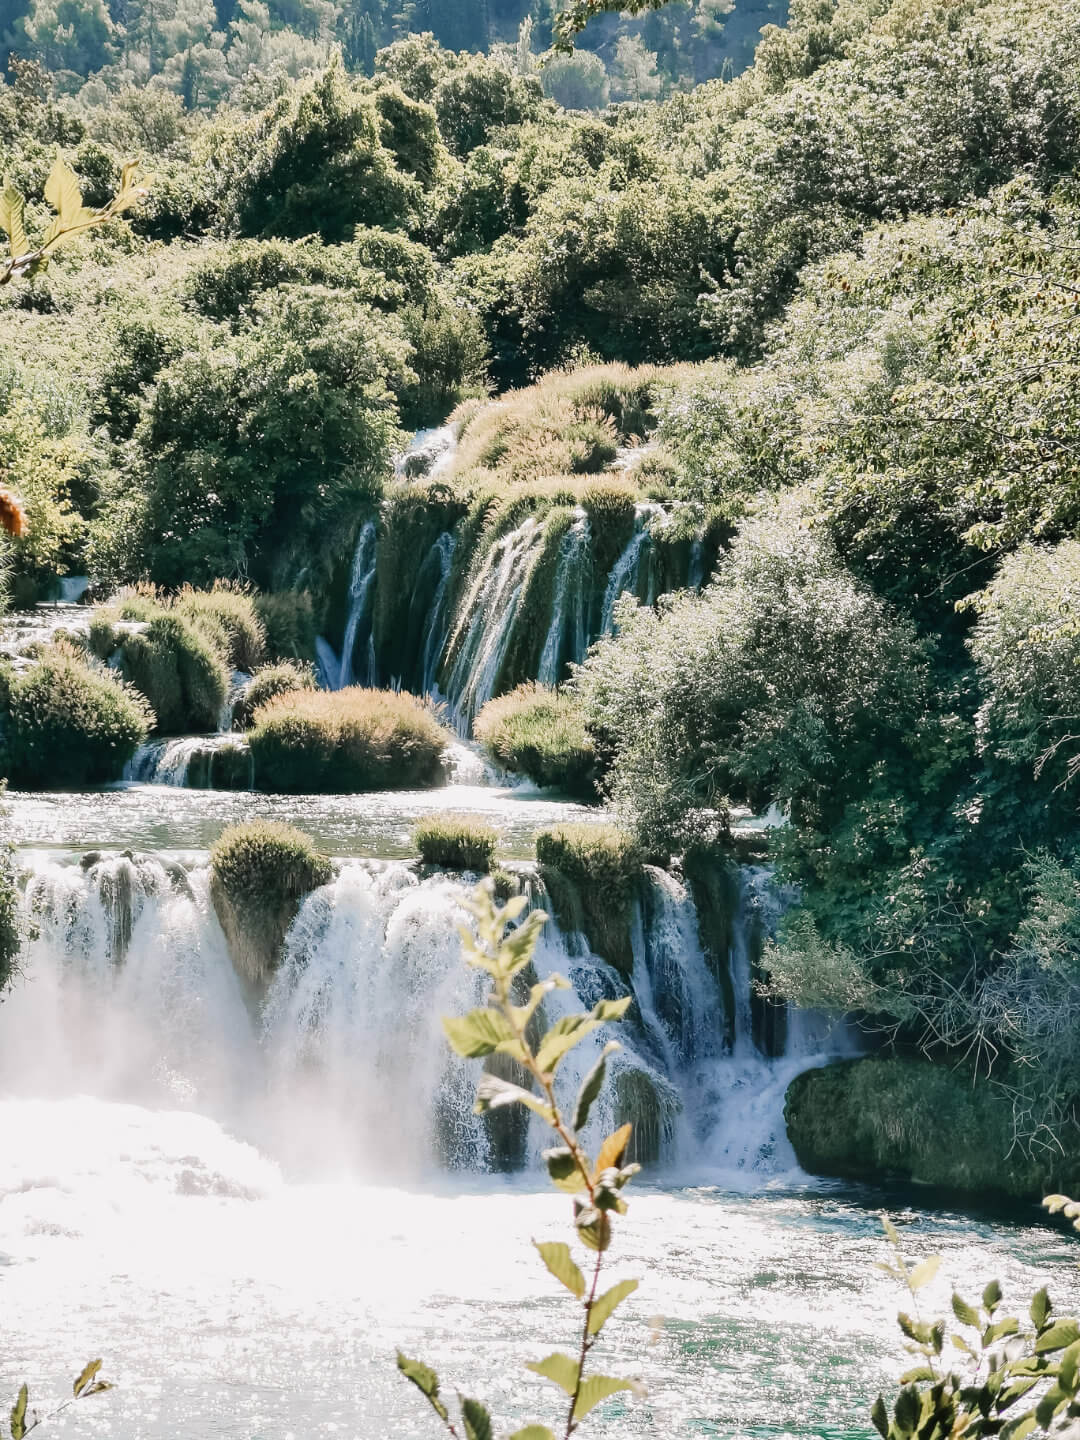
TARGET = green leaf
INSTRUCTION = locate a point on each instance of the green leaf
(63, 194)
(563, 1169)
(992, 1296)
(912, 1377)
(87, 1375)
(476, 1419)
(908, 1409)
(965, 1313)
(477, 1033)
(18, 1414)
(603, 1308)
(1069, 1365)
(517, 948)
(12, 213)
(880, 1416)
(425, 1380)
(533, 1432)
(890, 1231)
(1018, 1429)
(1009, 1326)
(1017, 1389)
(1060, 1334)
(556, 1256)
(605, 1010)
(592, 1085)
(1040, 1308)
(557, 1367)
(914, 1329)
(567, 1032)
(924, 1272)
(593, 1227)
(1054, 1400)
(595, 1389)
(493, 1093)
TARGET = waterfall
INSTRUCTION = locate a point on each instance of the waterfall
(567, 637)
(338, 672)
(190, 762)
(489, 609)
(626, 572)
(128, 992)
(429, 453)
(437, 625)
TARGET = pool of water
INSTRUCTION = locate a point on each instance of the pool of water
(160, 817)
(227, 1299)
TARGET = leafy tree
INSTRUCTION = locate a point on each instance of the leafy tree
(576, 82)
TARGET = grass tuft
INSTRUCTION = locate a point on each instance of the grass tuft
(456, 842)
(539, 733)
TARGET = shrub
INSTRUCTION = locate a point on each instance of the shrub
(288, 621)
(346, 741)
(591, 871)
(259, 874)
(72, 725)
(271, 680)
(180, 671)
(231, 611)
(540, 733)
(455, 842)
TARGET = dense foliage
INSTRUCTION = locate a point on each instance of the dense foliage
(539, 733)
(455, 842)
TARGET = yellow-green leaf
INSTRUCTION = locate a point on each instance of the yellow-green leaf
(87, 1375)
(63, 194)
(493, 1093)
(533, 1432)
(595, 1389)
(561, 1039)
(890, 1230)
(18, 1414)
(606, 1305)
(613, 1149)
(477, 1033)
(425, 1380)
(924, 1272)
(556, 1256)
(476, 1420)
(557, 1367)
(12, 211)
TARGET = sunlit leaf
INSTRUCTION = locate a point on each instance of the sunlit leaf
(87, 1375)
(476, 1420)
(493, 1093)
(596, 1388)
(880, 1416)
(992, 1296)
(477, 1033)
(12, 211)
(613, 1149)
(890, 1230)
(593, 1227)
(567, 1032)
(1040, 1308)
(533, 1432)
(1019, 1429)
(557, 1367)
(18, 1414)
(605, 1010)
(603, 1308)
(924, 1272)
(965, 1313)
(564, 1170)
(63, 194)
(556, 1256)
(1060, 1334)
(425, 1380)
(592, 1085)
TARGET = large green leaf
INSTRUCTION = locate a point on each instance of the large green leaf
(83, 1380)
(477, 1033)
(597, 1388)
(1060, 1334)
(567, 1032)
(557, 1367)
(605, 1010)
(18, 1414)
(603, 1308)
(592, 1085)
(12, 212)
(556, 1256)
(425, 1380)
(476, 1420)
(63, 194)
(1040, 1308)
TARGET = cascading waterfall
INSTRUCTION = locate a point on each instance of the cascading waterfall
(337, 672)
(568, 634)
(190, 761)
(625, 574)
(437, 624)
(129, 993)
(428, 454)
(491, 608)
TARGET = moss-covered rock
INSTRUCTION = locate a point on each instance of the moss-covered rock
(260, 873)
(591, 873)
(455, 842)
(864, 1119)
(71, 724)
(651, 1104)
(540, 733)
(346, 741)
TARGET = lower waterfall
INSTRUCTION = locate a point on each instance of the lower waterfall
(127, 993)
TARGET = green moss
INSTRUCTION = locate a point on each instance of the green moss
(230, 613)
(927, 1122)
(346, 741)
(71, 725)
(609, 505)
(259, 875)
(281, 678)
(288, 621)
(540, 733)
(180, 671)
(591, 873)
(648, 1103)
(455, 842)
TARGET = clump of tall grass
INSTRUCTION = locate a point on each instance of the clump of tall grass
(229, 611)
(346, 741)
(540, 733)
(288, 621)
(455, 842)
(281, 678)
(591, 873)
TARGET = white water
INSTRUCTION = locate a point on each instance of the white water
(336, 672)
(568, 634)
(626, 572)
(437, 623)
(168, 762)
(429, 453)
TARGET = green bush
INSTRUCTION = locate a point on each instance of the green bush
(231, 611)
(455, 842)
(282, 678)
(540, 733)
(865, 1118)
(71, 725)
(180, 671)
(288, 621)
(591, 872)
(346, 741)
(259, 874)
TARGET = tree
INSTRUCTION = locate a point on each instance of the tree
(636, 68)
